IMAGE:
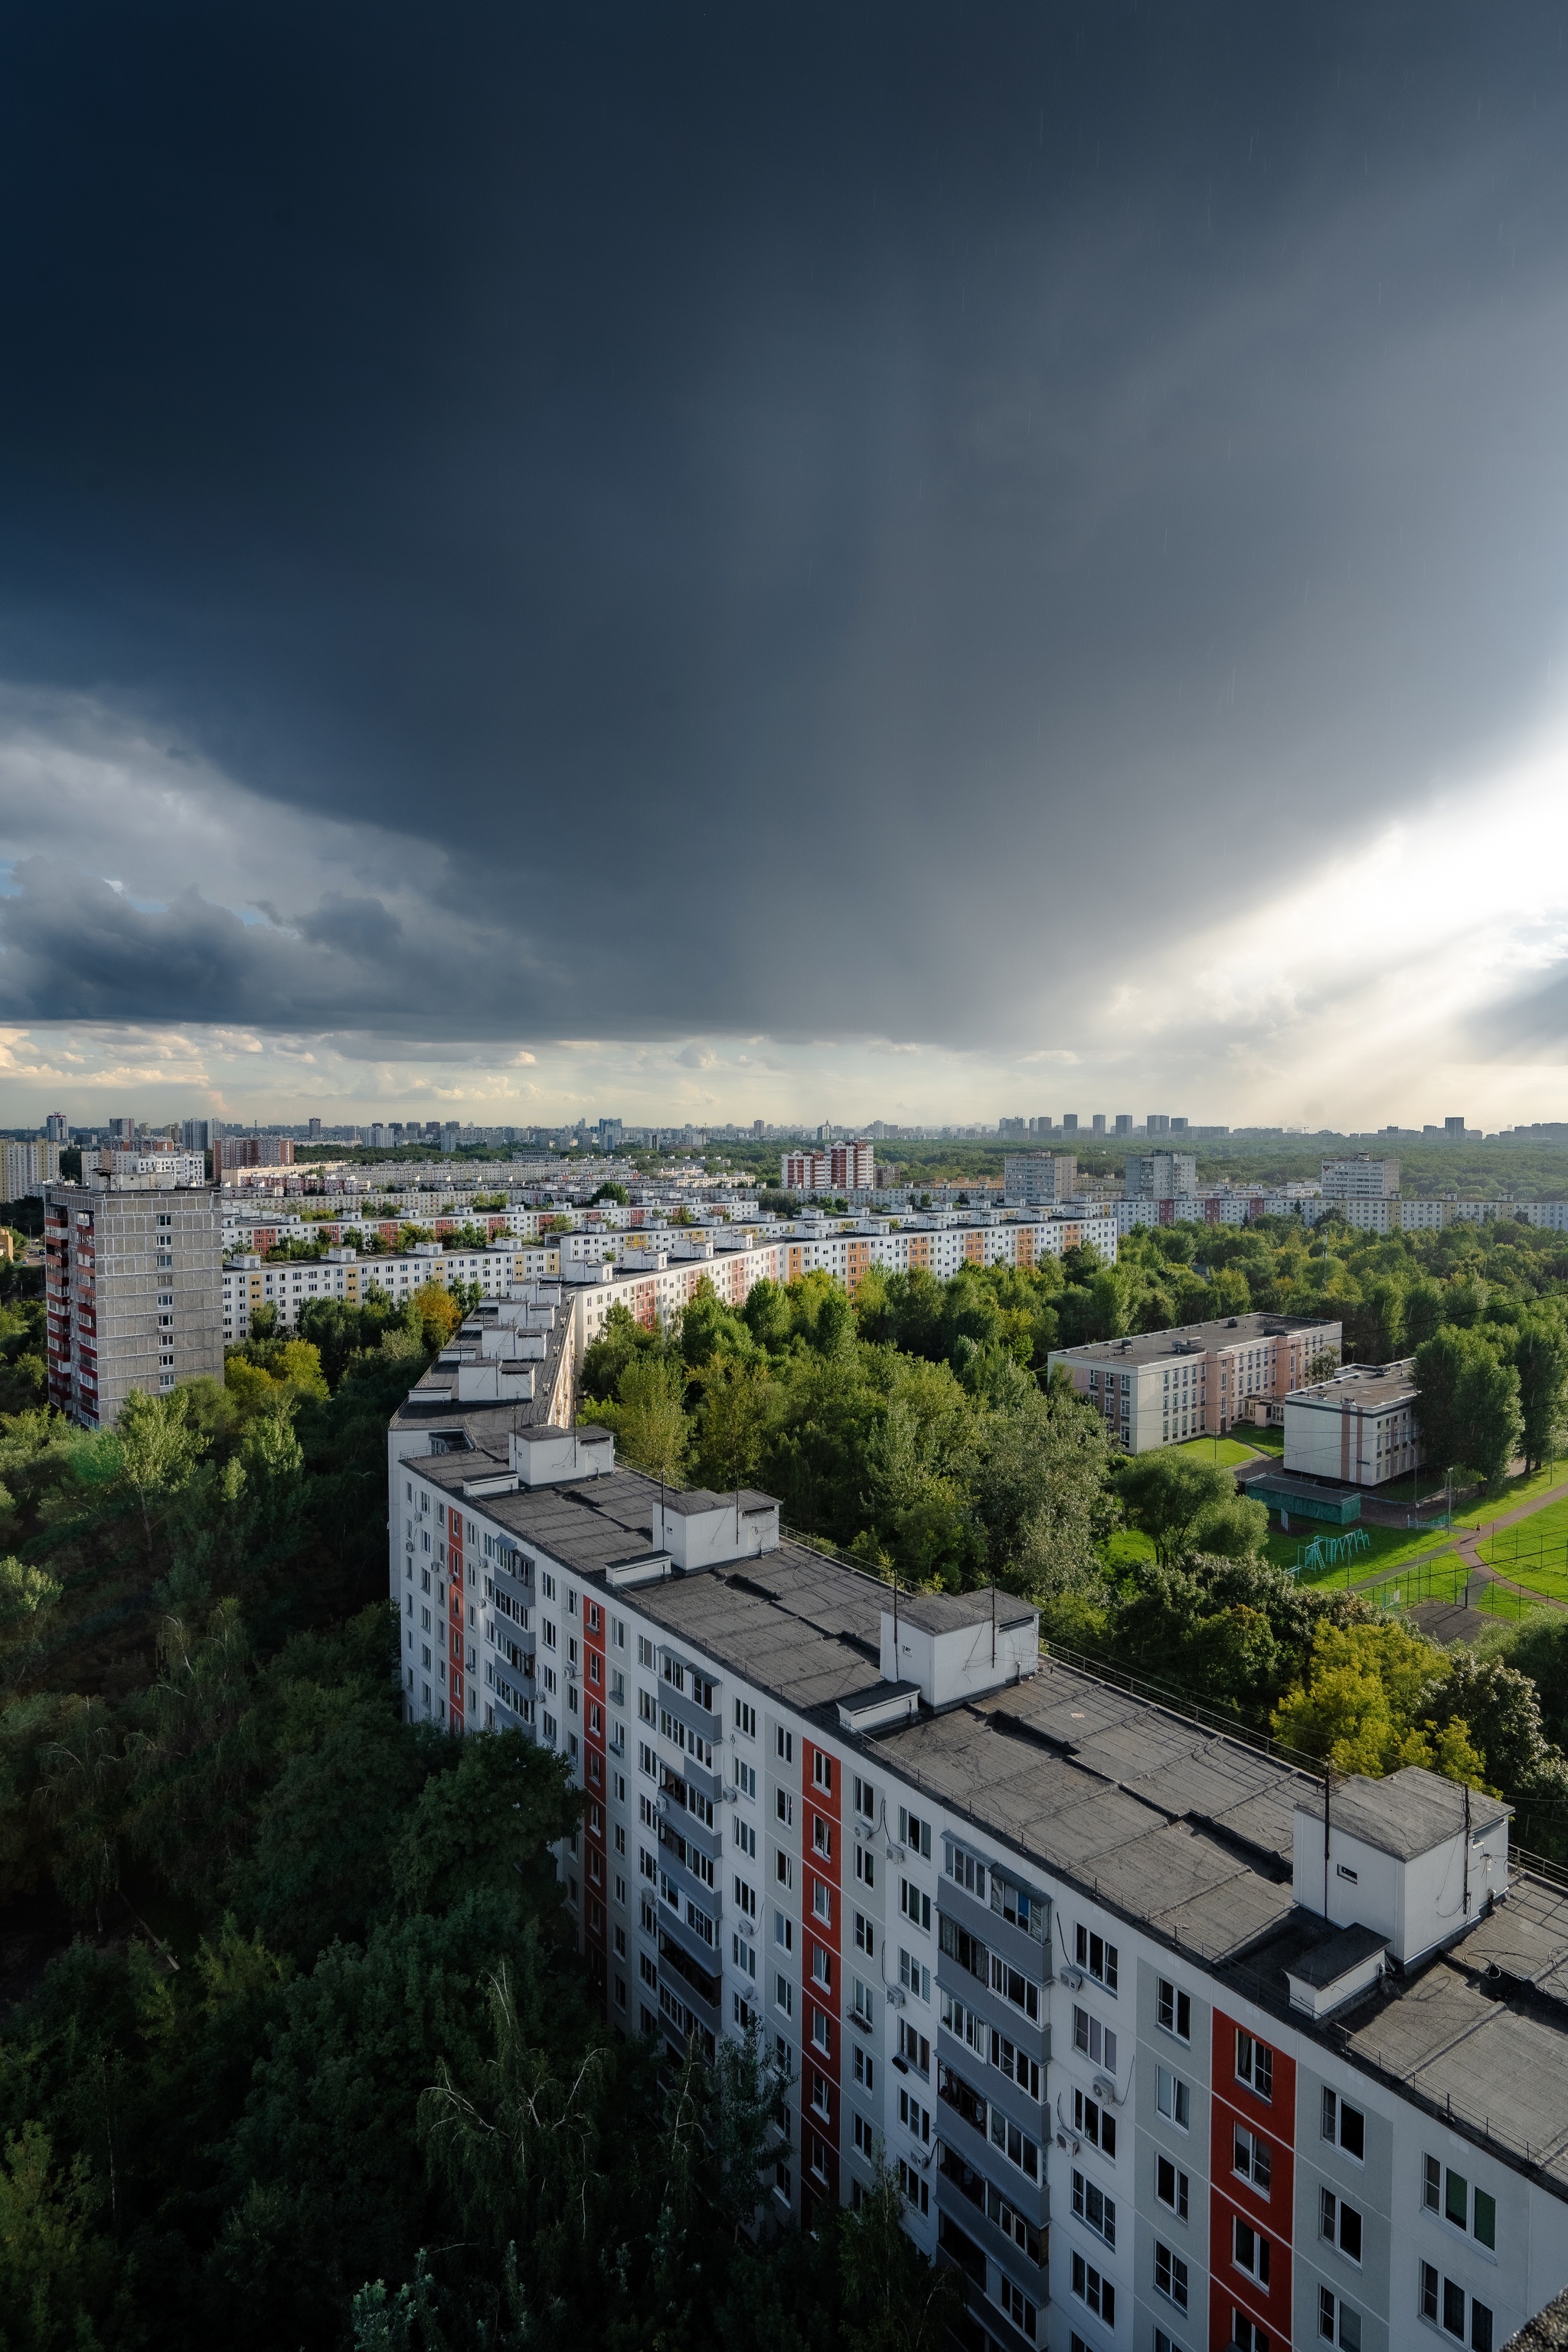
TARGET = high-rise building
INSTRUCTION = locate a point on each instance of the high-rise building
(1163, 1176)
(1097, 1122)
(1164, 2039)
(758, 1128)
(134, 1290)
(1157, 1123)
(1043, 1127)
(123, 1130)
(54, 1128)
(1034, 1178)
(1070, 1122)
(28, 1168)
(1013, 1128)
(610, 1131)
(251, 1151)
(842, 1167)
(1123, 1122)
(1455, 1128)
(200, 1134)
(1361, 1179)
(315, 1130)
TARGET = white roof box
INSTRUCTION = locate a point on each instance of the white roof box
(549, 1457)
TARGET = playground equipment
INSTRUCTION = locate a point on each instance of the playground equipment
(1331, 1551)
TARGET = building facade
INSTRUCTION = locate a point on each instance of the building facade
(1361, 1179)
(1162, 1175)
(1163, 2060)
(836, 1167)
(1159, 1387)
(132, 1287)
(29, 1167)
(1359, 1427)
(1034, 1179)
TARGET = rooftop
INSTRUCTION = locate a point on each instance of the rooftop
(1190, 1339)
(1184, 1831)
(1405, 1816)
(1366, 1388)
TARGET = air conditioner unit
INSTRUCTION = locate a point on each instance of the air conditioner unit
(1072, 1978)
(1105, 2091)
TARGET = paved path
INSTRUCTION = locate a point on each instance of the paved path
(1467, 1542)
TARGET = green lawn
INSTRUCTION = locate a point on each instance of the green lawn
(1227, 1451)
(1390, 1547)
(1539, 1542)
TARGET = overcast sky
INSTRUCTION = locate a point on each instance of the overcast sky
(858, 561)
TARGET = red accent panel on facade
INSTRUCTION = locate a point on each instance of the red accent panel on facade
(1234, 2198)
(595, 1923)
(821, 1849)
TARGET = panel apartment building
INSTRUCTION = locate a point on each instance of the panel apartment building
(131, 1291)
(1162, 2061)
(1156, 1388)
(654, 1275)
(841, 1168)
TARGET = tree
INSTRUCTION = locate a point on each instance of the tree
(1468, 1403)
(1186, 1505)
(1541, 1360)
(438, 1312)
(1364, 1705)
(159, 1448)
(649, 1416)
(894, 2300)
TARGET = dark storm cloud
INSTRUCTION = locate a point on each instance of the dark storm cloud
(816, 519)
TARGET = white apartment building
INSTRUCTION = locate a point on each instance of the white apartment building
(29, 1167)
(1159, 2056)
(1359, 1427)
(1159, 1387)
(1361, 1179)
(657, 1283)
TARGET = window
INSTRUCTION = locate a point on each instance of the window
(784, 1994)
(1340, 2223)
(1456, 2201)
(1337, 2323)
(821, 1900)
(865, 2138)
(821, 1837)
(744, 1837)
(1486, 2219)
(1170, 2276)
(914, 1976)
(914, 1832)
(783, 1744)
(1255, 2066)
(1252, 2158)
(1020, 2068)
(1014, 1985)
(1097, 1958)
(822, 1772)
(914, 2048)
(1171, 2187)
(865, 1865)
(745, 1719)
(1017, 2306)
(965, 1871)
(1088, 2117)
(865, 1798)
(645, 1647)
(865, 2067)
(1096, 2292)
(865, 1935)
(1020, 2150)
(784, 1805)
(1162, 2343)
(915, 1906)
(917, 2190)
(1249, 2250)
(913, 2117)
(1481, 2327)
(1245, 2334)
(1172, 2097)
(1093, 2207)
(1345, 2125)
(1097, 2042)
(1174, 2010)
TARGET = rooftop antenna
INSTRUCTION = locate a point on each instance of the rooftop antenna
(1466, 1912)
(994, 1620)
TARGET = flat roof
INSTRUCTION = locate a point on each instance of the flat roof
(1405, 1816)
(1192, 1339)
(1184, 1831)
(1365, 1388)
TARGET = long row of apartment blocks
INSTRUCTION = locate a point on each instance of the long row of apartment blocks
(653, 1273)
(1166, 2057)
